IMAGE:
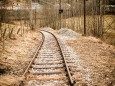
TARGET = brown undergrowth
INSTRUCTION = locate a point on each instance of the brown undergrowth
(16, 56)
(99, 56)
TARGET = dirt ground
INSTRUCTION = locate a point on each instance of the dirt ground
(16, 56)
(99, 57)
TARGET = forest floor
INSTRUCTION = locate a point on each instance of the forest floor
(16, 56)
(96, 55)
(99, 57)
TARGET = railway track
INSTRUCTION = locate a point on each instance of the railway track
(50, 64)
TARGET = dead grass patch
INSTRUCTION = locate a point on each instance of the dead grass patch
(99, 57)
(17, 55)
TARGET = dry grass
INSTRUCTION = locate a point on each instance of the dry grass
(15, 26)
(109, 36)
(10, 80)
(17, 55)
(99, 57)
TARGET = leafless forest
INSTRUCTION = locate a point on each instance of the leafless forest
(99, 17)
(22, 20)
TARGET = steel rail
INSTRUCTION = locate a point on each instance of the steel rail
(61, 52)
(65, 62)
(34, 56)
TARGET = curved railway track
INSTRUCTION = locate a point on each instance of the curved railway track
(49, 64)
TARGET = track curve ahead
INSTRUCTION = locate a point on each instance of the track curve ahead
(49, 65)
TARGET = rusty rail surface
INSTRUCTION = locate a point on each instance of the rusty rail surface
(34, 56)
(69, 76)
(65, 62)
